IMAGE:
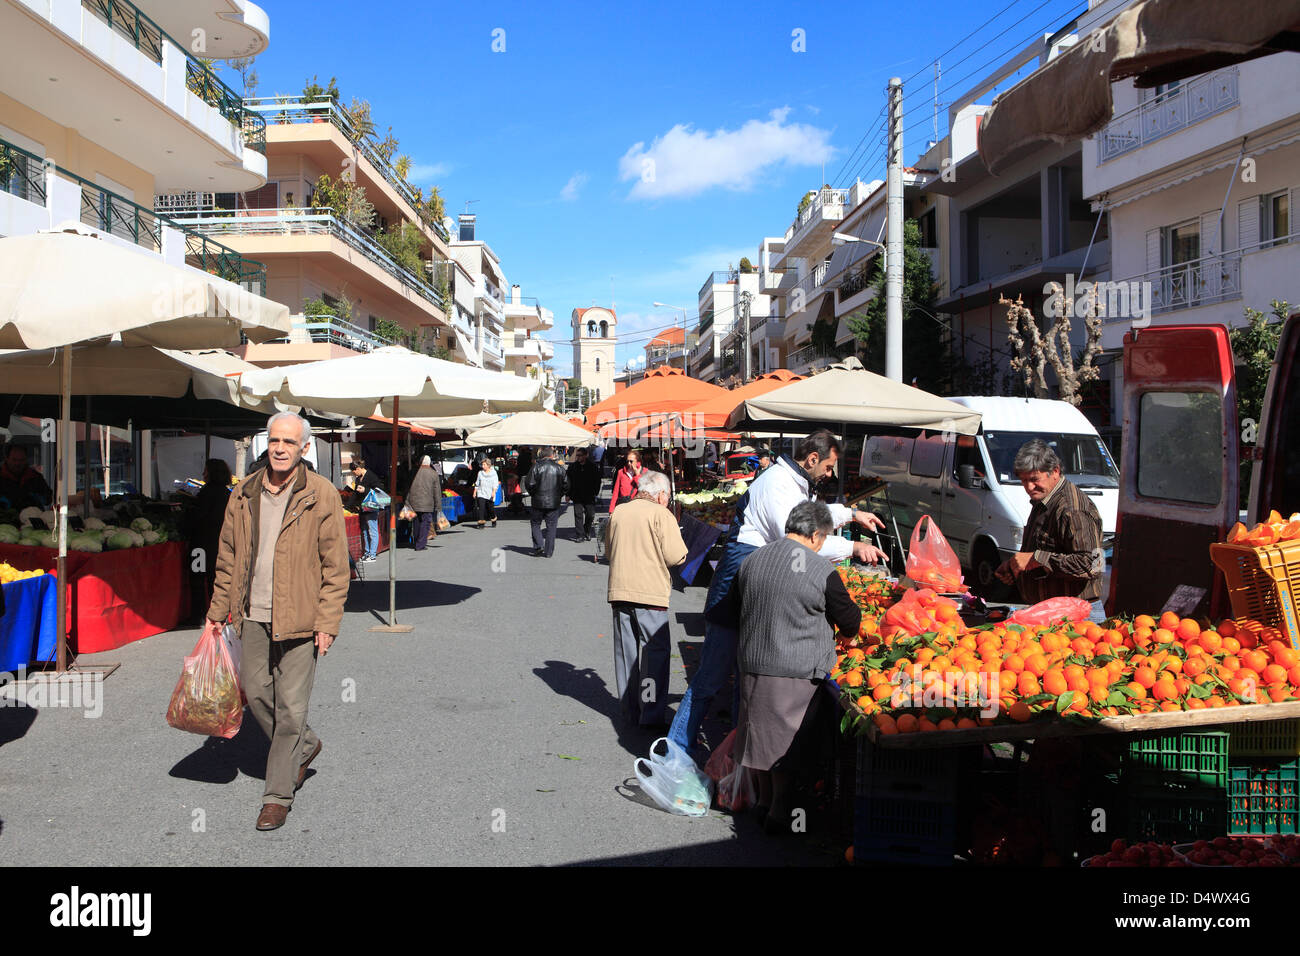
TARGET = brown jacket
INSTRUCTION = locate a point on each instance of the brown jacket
(643, 542)
(311, 558)
(1064, 534)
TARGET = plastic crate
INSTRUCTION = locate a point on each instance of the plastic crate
(903, 830)
(1264, 798)
(1263, 583)
(1179, 760)
(928, 773)
(1265, 738)
(1162, 815)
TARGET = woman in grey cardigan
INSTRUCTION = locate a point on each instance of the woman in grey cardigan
(791, 600)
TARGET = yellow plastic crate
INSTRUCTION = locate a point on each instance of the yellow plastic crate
(1263, 584)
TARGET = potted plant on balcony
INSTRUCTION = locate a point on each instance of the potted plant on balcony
(358, 114)
(323, 96)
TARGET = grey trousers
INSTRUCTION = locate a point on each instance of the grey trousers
(277, 678)
(642, 690)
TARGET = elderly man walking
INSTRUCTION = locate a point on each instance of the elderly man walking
(282, 577)
(547, 484)
(643, 542)
(424, 498)
(1061, 552)
(584, 486)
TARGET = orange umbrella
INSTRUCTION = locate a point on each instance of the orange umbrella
(712, 414)
(664, 389)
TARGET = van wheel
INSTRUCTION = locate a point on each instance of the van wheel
(984, 565)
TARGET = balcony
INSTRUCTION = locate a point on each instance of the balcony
(1195, 100)
(720, 277)
(331, 330)
(817, 220)
(65, 195)
(231, 28)
(292, 110)
(806, 289)
(810, 357)
(317, 222)
(1205, 281)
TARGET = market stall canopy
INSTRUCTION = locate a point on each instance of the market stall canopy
(664, 389)
(1155, 41)
(531, 428)
(456, 423)
(714, 412)
(62, 288)
(366, 385)
(848, 394)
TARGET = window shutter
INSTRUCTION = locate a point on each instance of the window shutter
(1294, 197)
(1210, 244)
(1248, 224)
(1210, 280)
(1154, 249)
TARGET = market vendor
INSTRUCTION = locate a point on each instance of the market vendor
(1061, 553)
(20, 485)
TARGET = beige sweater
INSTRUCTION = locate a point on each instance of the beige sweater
(643, 542)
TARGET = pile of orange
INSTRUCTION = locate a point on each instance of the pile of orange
(1271, 531)
(1081, 671)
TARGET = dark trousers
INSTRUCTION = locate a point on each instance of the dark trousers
(552, 517)
(487, 511)
(423, 521)
(584, 515)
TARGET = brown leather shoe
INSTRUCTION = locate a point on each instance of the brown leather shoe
(272, 816)
(302, 771)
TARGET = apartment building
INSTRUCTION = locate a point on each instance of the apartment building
(1199, 180)
(324, 222)
(488, 283)
(670, 347)
(527, 352)
(721, 300)
(102, 108)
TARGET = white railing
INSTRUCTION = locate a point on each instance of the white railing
(334, 331)
(316, 221)
(1197, 99)
(810, 283)
(825, 199)
(1204, 281)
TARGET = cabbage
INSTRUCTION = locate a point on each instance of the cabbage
(141, 524)
(137, 538)
(152, 537)
(120, 540)
(94, 524)
(8, 534)
(740, 487)
(85, 542)
(48, 540)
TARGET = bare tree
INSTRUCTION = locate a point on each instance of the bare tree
(1035, 350)
(247, 74)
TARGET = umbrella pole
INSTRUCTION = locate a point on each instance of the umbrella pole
(392, 625)
(64, 440)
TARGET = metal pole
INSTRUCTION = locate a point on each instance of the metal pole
(85, 470)
(392, 523)
(894, 238)
(65, 465)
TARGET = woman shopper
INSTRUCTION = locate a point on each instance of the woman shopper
(485, 492)
(424, 498)
(625, 482)
(365, 481)
(790, 600)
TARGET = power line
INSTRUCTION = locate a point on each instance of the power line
(880, 117)
(961, 41)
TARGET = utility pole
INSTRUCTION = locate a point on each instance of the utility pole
(744, 331)
(894, 237)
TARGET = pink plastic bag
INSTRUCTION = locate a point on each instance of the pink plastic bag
(736, 789)
(720, 762)
(931, 561)
(207, 697)
(1051, 611)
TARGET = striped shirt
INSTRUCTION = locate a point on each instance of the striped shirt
(1064, 534)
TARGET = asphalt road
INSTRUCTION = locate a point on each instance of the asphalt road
(486, 736)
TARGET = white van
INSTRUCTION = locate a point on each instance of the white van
(968, 485)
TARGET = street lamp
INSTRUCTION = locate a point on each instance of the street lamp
(839, 238)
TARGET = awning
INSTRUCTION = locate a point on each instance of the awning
(471, 354)
(1155, 41)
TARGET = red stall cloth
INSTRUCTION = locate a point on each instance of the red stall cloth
(352, 524)
(115, 597)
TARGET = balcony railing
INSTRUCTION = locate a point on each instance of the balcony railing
(126, 20)
(857, 281)
(321, 221)
(810, 355)
(1204, 281)
(809, 284)
(284, 110)
(332, 330)
(1197, 99)
(22, 174)
(720, 277)
(825, 198)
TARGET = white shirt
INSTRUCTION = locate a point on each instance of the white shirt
(772, 497)
(485, 485)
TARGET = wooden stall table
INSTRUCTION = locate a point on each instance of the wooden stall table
(116, 597)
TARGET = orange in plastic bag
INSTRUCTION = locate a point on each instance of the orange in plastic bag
(931, 561)
(207, 697)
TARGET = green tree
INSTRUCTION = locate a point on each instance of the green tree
(347, 200)
(1254, 347)
(925, 348)
(388, 329)
(746, 267)
(403, 241)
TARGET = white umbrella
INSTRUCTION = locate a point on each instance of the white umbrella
(531, 428)
(388, 382)
(456, 423)
(60, 289)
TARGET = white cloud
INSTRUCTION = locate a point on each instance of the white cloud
(686, 161)
(424, 173)
(575, 183)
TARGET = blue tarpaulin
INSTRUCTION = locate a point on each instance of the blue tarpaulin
(27, 629)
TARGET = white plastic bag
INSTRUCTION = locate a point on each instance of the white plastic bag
(234, 646)
(671, 778)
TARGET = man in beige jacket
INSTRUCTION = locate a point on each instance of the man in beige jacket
(282, 575)
(643, 542)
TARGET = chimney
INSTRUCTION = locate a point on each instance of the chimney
(467, 226)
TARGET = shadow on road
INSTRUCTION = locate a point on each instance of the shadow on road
(372, 595)
(219, 760)
(16, 718)
(587, 687)
(749, 847)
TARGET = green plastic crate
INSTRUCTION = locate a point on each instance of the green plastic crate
(1162, 815)
(1265, 738)
(1264, 798)
(1179, 761)
(929, 773)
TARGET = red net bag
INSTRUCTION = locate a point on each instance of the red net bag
(207, 697)
(931, 561)
(1051, 611)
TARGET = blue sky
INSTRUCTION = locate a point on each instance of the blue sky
(554, 134)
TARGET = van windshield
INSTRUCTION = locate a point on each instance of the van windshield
(1085, 459)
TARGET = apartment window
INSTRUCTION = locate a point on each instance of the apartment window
(1274, 219)
(929, 233)
(1164, 91)
(1183, 243)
